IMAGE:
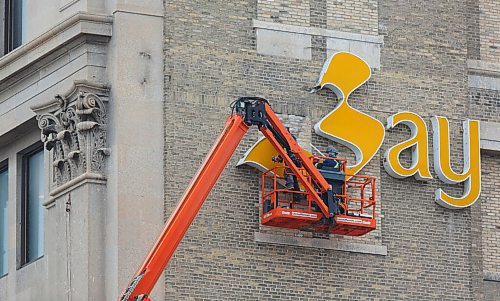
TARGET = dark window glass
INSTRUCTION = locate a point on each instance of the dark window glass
(32, 209)
(4, 196)
(14, 14)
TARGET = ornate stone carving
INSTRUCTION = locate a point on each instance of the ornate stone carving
(74, 130)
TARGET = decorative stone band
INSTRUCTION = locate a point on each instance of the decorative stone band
(295, 42)
(74, 130)
(349, 246)
(484, 75)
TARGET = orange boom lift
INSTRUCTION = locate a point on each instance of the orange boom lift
(320, 203)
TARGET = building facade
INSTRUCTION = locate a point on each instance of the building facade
(107, 108)
(431, 58)
(82, 84)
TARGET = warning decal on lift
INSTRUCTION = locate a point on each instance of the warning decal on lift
(303, 214)
(352, 220)
(268, 215)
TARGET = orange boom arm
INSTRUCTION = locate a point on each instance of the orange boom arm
(248, 111)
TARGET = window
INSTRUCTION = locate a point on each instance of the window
(32, 214)
(4, 196)
(14, 27)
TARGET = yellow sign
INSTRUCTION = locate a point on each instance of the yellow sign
(471, 174)
(343, 73)
(418, 143)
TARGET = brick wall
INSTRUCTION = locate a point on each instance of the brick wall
(489, 24)
(359, 16)
(485, 105)
(490, 208)
(211, 59)
(296, 12)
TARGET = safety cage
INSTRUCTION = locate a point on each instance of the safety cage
(294, 208)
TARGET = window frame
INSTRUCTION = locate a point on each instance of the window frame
(4, 166)
(24, 156)
(10, 24)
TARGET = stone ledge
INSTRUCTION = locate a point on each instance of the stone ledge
(72, 185)
(491, 276)
(483, 68)
(321, 244)
(315, 31)
(490, 145)
(484, 75)
(482, 81)
(55, 38)
(490, 136)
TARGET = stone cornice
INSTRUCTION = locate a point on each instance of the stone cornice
(75, 26)
(53, 104)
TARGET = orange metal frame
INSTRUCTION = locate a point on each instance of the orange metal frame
(312, 171)
(365, 202)
(291, 210)
(191, 201)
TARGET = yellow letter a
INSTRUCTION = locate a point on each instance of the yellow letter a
(418, 142)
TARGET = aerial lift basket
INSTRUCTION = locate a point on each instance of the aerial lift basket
(295, 208)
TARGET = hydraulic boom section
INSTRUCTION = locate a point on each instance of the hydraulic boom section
(257, 111)
(247, 111)
(188, 206)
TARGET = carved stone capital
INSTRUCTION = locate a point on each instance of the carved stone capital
(73, 128)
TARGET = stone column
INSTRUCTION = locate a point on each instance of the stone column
(74, 131)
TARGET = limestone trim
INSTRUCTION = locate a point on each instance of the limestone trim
(490, 136)
(74, 130)
(484, 75)
(483, 68)
(315, 31)
(294, 41)
(73, 184)
(53, 39)
(491, 276)
(321, 243)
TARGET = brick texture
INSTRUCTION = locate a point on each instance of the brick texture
(359, 16)
(489, 24)
(485, 105)
(296, 12)
(490, 207)
(433, 253)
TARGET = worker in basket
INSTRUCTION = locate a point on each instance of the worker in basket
(330, 163)
(290, 181)
(332, 172)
